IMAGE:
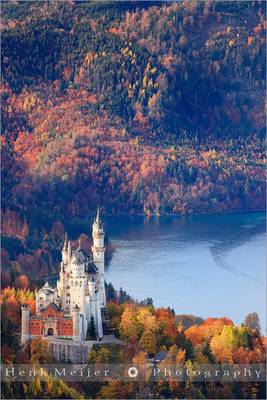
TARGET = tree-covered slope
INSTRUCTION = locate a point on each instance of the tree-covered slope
(141, 107)
(189, 67)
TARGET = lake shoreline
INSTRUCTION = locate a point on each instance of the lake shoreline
(251, 211)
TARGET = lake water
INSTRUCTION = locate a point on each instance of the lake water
(206, 265)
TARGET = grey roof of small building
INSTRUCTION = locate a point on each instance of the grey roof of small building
(47, 288)
(46, 291)
(81, 256)
(161, 355)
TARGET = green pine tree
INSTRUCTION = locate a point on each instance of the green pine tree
(91, 332)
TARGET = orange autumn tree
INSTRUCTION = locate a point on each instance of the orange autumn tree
(195, 334)
(167, 327)
(199, 334)
(117, 390)
(12, 298)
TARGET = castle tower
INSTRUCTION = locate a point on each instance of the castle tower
(76, 323)
(95, 310)
(98, 250)
(25, 318)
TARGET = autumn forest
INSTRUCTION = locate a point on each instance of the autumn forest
(142, 108)
(150, 108)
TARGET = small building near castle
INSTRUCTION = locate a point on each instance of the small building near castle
(78, 300)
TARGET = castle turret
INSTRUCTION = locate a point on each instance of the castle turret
(69, 251)
(98, 250)
(76, 323)
(25, 318)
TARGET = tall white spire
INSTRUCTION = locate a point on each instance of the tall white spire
(65, 245)
(65, 250)
(98, 214)
(97, 222)
(98, 250)
(69, 250)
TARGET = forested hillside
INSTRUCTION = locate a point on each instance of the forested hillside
(140, 107)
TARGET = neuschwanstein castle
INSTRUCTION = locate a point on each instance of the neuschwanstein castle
(65, 312)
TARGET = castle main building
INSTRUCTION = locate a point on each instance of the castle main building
(65, 312)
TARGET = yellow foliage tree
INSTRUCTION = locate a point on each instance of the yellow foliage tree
(128, 324)
(148, 342)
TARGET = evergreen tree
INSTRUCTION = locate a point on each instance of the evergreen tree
(183, 343)
(111, 293)
(91, 332)
(252, 321)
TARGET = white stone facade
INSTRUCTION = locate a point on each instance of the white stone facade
(80, 290)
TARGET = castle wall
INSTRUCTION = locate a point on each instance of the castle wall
(65, 327)
(36, 327)
(62, 327)
(51, 312)
(67, 351)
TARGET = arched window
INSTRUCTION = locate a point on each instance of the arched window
(50, 332)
